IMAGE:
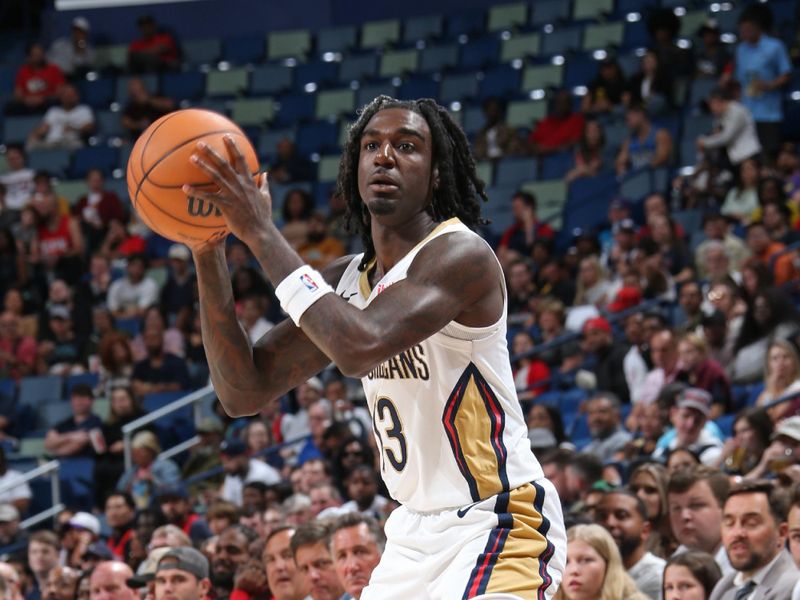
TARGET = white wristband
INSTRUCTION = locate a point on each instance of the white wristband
(299, 290)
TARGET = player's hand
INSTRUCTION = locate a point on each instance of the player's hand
(245, 204)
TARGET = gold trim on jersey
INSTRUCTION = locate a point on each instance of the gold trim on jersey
(363, 279)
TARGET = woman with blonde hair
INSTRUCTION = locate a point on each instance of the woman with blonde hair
(781, 377)
(700, 371)
(594, 568)
(593, 286)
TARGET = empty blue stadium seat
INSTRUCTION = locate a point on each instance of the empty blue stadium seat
(637, 185)
(183, 86)
(109, 124)
(418, 86)
(174, 427)
(93, 157)
(7, 77)
(132, 326)
(318, 136)
(422, 28)
(294, 108)
(555, 166)
(53, 160)
(465, 23)
(201, 52)
(636, 35)
(725, 424)
(76, 476)
(587, 201)
(271, 79)
(17, 129)
(438, 58)
(367, 93)
(480, 52)
(579, 71)
(358, 68)
(35, 391)
(458, 87)
(319, 72)
(98, 93)
(244, 49)
(52, 413)
(501, 81)
(514, 171)
(544, 12)
(562, 41)
(337, 39)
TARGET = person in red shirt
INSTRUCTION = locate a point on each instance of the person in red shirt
(154, 51)
(36, 85)
(558, 131)
(60, 239)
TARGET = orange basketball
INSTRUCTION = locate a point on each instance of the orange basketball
(159, 166)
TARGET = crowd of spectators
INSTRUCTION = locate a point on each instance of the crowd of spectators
(648, 354)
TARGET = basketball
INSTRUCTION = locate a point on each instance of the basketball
(159, 166)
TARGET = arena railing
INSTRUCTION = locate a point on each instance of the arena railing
(194, 399)
(50, 468)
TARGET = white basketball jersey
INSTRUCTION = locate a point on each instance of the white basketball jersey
(445, 413)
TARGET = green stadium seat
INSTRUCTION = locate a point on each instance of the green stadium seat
(201, 52)
(520, 46)
(524, 113)
(603, 35)
(507, 16)
(551, 196)
(252, 111)
(226, 83)
(591, 9)
(71, 189)
(691, 22)
(485, 170)
(332, 103)
(542, 77)
(422, 28)
(285, 44)
(32, 447)
(398, 62)
(112, 57)
(328, 168)
(3, 164)
(377, 34)
(438, 58)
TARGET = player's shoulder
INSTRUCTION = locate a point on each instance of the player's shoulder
(334, 271)
(460, 251)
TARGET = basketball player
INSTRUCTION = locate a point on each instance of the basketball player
(420, 316)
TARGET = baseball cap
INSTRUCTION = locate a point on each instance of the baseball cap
(186, 559)
(789, 427)
(81, 23)
(177, 490)
(8, 512)
(233, 447)
(99, 550)
(697, 399)
(179, 251)
(209, 425)
(59, 311)
(597, 323)
(626, 298)
(84, 520)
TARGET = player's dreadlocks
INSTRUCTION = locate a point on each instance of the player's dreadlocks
(459, 189)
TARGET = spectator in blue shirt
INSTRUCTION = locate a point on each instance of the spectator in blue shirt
(71, 437)
(160, 371)
(762, 69)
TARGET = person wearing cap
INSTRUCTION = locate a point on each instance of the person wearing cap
(109, 581)
(155, 50)
(205, 456)
(240, 468)
(176, 506)
(598, 341)
(71, 436)
(79, 533)
(689, 416)
(178, 290)
(148, 472)
(182, 574)
(144, 581)
(716, 227)
(10, 533)
(74, 55)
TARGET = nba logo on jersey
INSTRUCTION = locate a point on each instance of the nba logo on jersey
(308, 282)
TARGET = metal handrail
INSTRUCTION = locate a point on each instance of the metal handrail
(194, 399)
(49, 468)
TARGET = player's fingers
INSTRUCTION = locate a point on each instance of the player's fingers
(212, 157)
(226, 181)
(214, 197)
(236, 156)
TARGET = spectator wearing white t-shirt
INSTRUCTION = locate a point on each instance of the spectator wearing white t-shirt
(64, 126)
(131, 295)
(18, 179)
(240, 469)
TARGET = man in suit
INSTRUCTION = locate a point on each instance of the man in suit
(754, 532)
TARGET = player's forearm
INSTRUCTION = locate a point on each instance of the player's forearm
(229, 353)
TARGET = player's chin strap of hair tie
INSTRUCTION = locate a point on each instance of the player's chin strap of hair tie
(299, 290)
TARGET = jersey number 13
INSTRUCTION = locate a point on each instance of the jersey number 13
(389, 429)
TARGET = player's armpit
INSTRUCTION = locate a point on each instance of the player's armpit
(455, 277)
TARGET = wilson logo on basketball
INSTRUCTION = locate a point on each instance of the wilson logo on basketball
(200, 208)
